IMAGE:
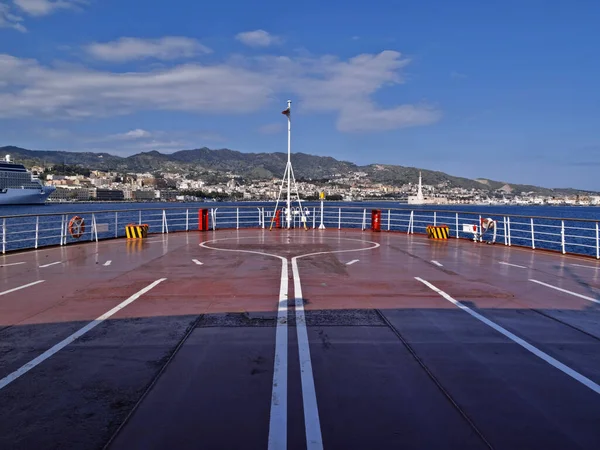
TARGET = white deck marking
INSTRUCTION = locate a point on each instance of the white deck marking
(62, 344)
(107, 263)
(195, 261)
(51, 264)
(278, 415)
(278, 418)
(312, 423)
(12, 264)
(527, 346)
(566, 291)
(512, 265)
(437, 263)
(21, 287)
(349, 263)
(587, 267)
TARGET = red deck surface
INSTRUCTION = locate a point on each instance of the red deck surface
(387, 362)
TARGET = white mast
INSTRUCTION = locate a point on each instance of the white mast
(289, 176)
(289, 165)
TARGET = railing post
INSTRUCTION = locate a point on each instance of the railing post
(237, 218)
(435, 218)
(93, 231)
(509, 237)
(340, 220)
(263, 217)
(364, 224)
(314, 217)
(457, 226)
(562, 235)
(37, 230)
(480, 230)
(532, 235)
(140, 218)
(3, 236)
(62, 228)
(597, 242)
(116, 224)
(187, 220)
(165, 224)
(389, 219)
(505, 231)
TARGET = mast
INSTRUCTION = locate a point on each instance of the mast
(289, 165)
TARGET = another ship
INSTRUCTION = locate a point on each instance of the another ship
(19, 187)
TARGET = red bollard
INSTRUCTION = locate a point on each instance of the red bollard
(278, 218)
(376, 220)
(203, 220)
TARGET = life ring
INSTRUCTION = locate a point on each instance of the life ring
(487, 224)
(76, 227)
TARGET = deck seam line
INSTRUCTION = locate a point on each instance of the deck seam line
(154, 380)
(585, 381)
(433, 378)
(74, 336)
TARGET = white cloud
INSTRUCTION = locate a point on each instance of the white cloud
(45, 7)
(366, 117)
(257, 38)
(9, 20)
(166, 48)
(240, 85)
(271, 128)
(131, 135)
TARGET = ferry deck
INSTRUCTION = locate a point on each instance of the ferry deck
(298, 339)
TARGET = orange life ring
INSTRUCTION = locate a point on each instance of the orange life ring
(76, 226)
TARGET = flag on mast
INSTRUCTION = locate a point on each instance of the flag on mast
(286, 111)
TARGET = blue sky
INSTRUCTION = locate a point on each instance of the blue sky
(503, 90)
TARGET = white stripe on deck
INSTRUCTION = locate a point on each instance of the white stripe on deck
(349, 263)
(62, 344)
(437, 263)
(195, 261)
(12, 264)
(51, 264)
(312, 423)
(278, 417)
(107, 263)
(278, 414)
(21, 287)
(512, 265)
(517, 340)
(575, 294)
(587, 267)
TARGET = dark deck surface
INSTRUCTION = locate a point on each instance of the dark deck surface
(377, 347)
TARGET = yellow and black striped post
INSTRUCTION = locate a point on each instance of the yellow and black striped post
(438, 232)
(136, 231)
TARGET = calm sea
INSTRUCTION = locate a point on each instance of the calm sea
(572, 212)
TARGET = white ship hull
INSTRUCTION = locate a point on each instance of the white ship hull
(12, 196)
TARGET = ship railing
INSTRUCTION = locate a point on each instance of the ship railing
(565, 235)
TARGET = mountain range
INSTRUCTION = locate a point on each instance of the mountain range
(254, 166)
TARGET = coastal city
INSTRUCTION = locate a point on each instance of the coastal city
(356, 186)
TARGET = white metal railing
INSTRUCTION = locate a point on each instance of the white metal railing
(565, 235)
